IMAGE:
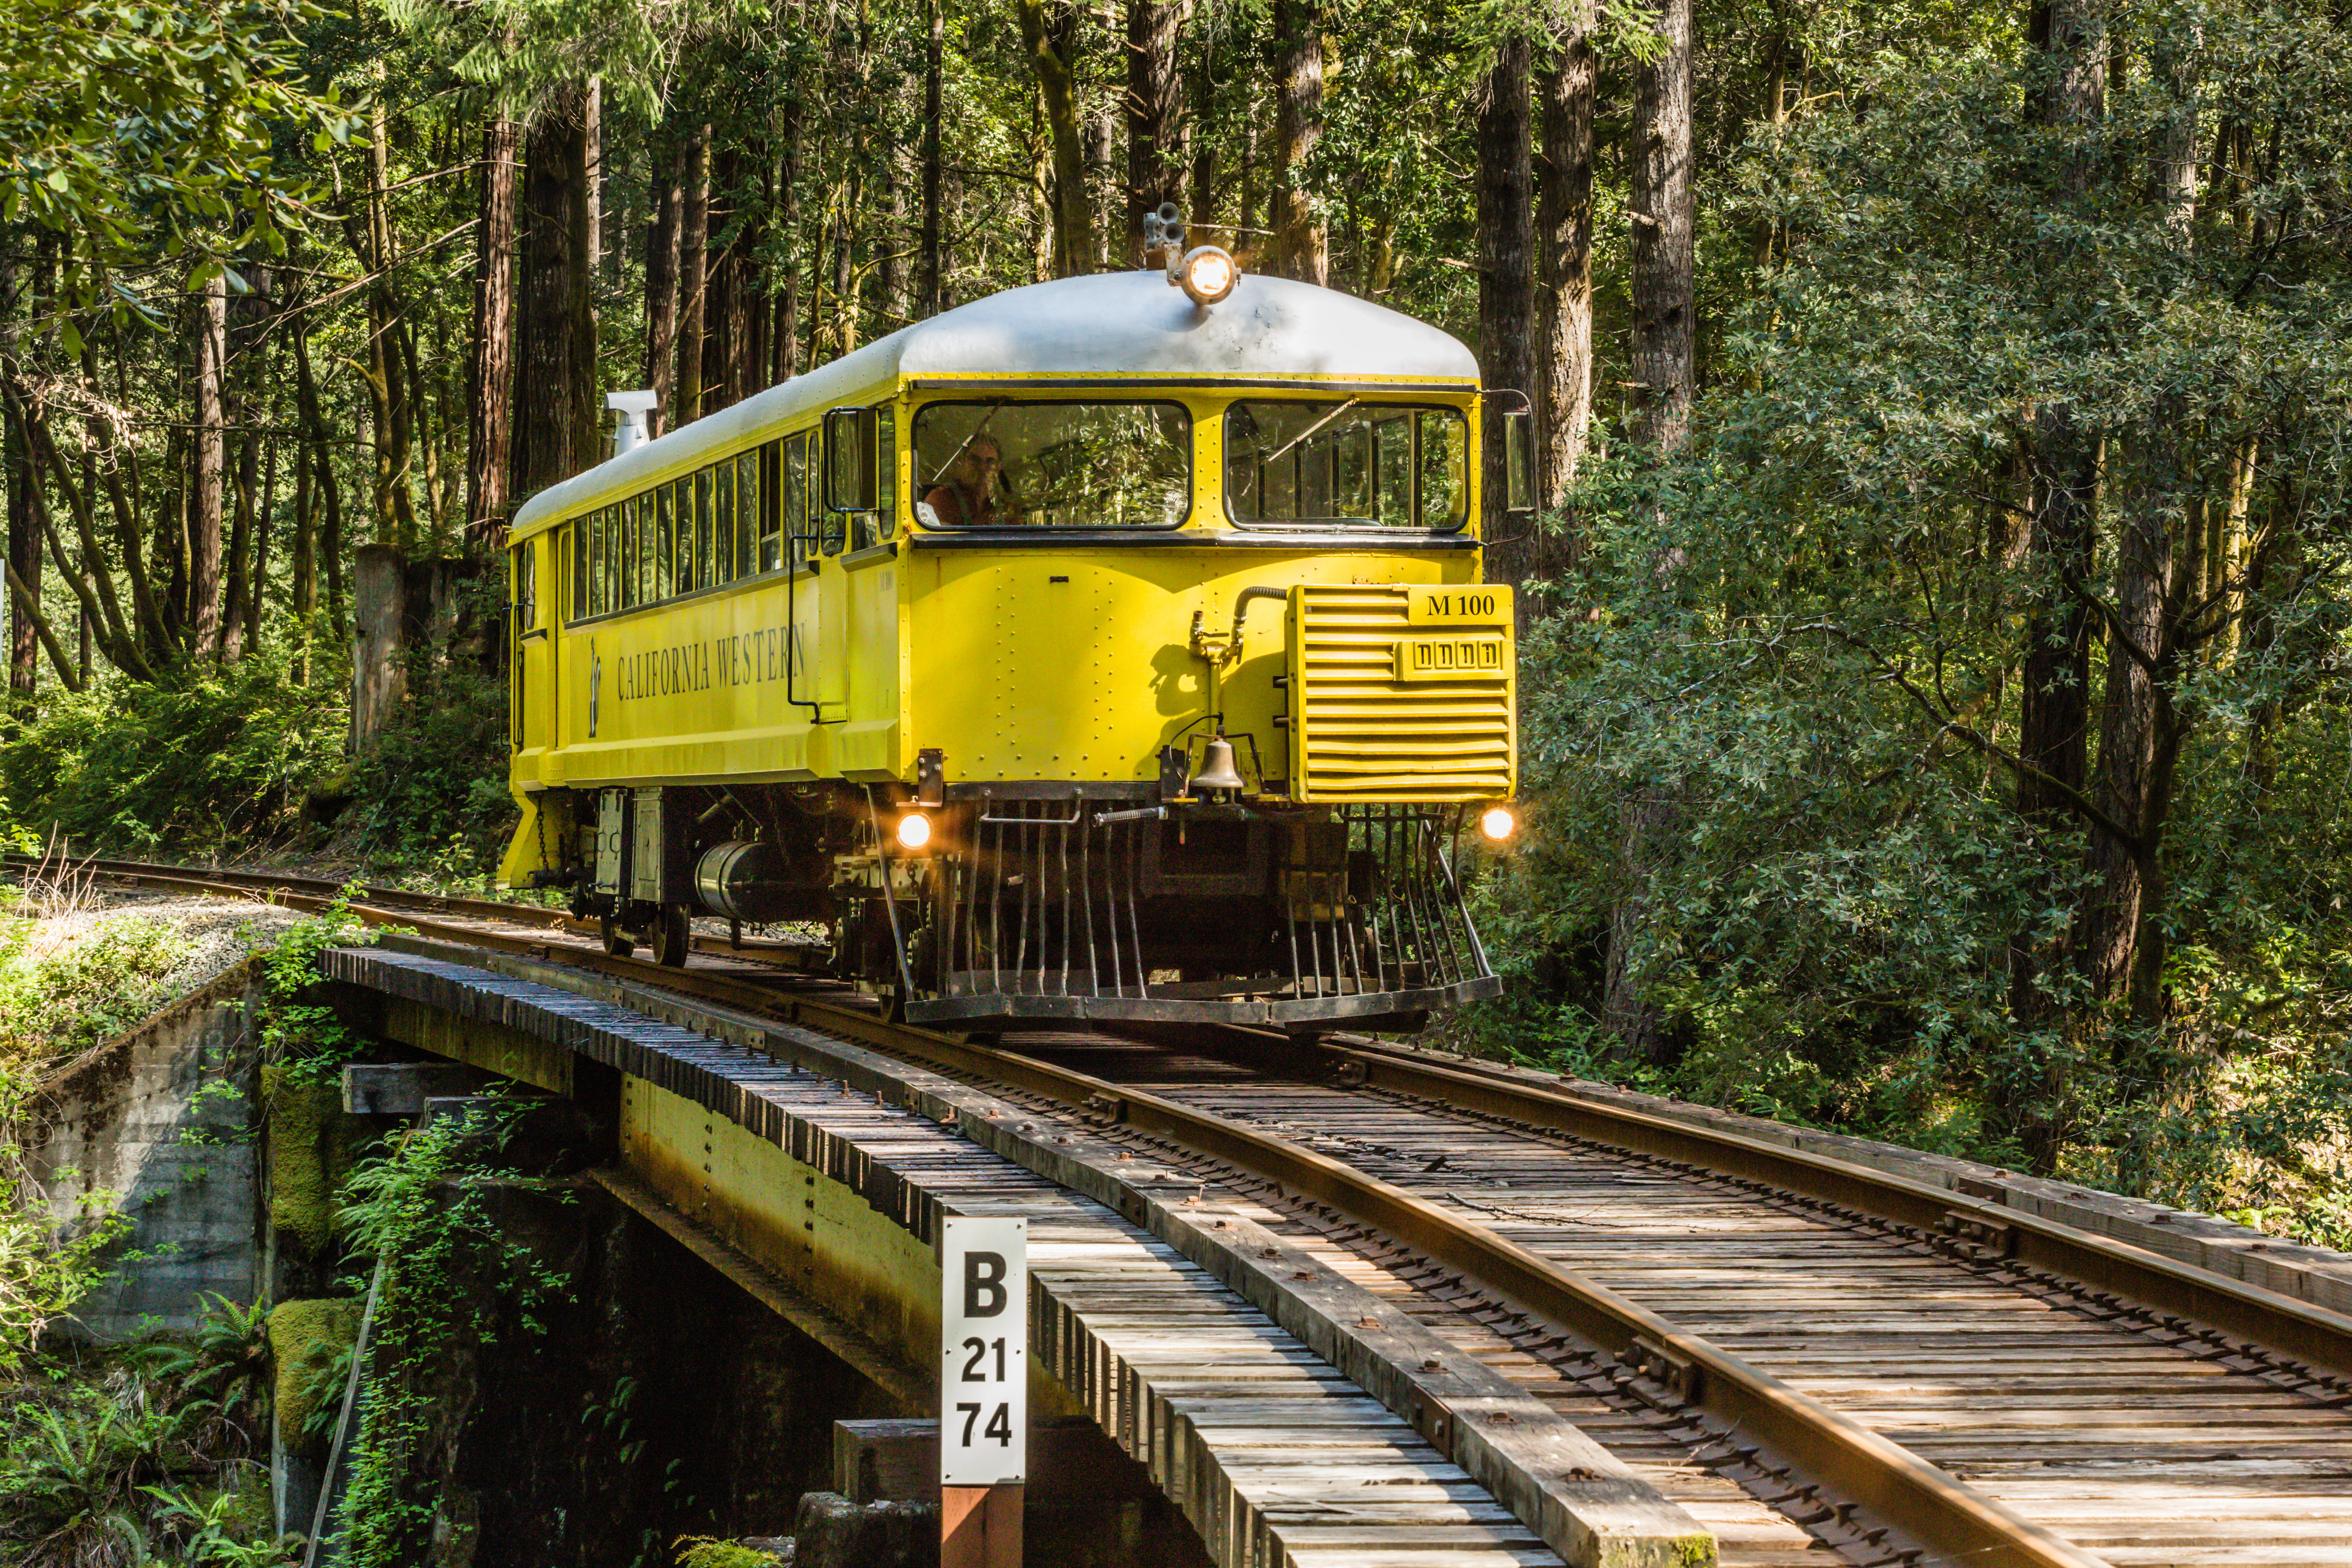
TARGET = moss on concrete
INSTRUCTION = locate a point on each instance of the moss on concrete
(305, 1338)
(312, 1145)
(703, 1551)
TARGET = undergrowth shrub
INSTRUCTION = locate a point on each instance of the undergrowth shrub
(211, 754)
(448, 1276)
(56, 1002)
(430, 795)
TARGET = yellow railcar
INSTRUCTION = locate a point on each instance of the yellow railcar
(1086, 651)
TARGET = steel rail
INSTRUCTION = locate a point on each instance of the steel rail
(1831, 1447)
(1990, 1230)
(326, 890)
(1934, 1507)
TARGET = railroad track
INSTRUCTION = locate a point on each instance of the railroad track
(1823, 1361)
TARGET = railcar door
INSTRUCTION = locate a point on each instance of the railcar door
(817, 667)
(530, 668)
(859, 583)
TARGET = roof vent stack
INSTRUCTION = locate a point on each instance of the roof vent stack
(629, 432)
(1163, 238)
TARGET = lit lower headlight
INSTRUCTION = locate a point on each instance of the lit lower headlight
(1207, 274)
(1499, 823)
(913, 830)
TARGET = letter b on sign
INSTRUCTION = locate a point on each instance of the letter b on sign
(984, 1352)
(983, 1284)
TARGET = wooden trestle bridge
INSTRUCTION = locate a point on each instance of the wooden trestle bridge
(1357, 1303)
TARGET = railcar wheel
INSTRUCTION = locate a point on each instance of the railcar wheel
(617, 942)
(673, 937)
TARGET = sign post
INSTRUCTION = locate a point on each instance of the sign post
(983, 1390)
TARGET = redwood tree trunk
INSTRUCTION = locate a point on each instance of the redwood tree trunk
(1155, 152)
(23, 542)
(1301, 247)
(211, 470)
(489, 378)
(693, 275)
(1564, 263)
(1049, 33)
(720, 304)
(661, 282)
(303, 567)
(787, 331)
(1506, 284)
(546, 377)
(2054, 714)
(584, 231)
(1660, 208)
(930, 260)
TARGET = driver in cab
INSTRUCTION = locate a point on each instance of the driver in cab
(973, 492)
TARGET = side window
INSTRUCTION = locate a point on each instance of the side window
(649, 585)
(641, 530)
(812, 493)
(624, 527)
(594, 523)
(681, 505)
(746, 514)
(612, 558)
(575, 553)
(795, 497)
(772, 553)
(886, 438)
(722, 490)
(704, 566)
(1443, 492)
(656, 505)
(526, 584)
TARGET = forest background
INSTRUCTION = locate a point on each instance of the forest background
(1934, 700)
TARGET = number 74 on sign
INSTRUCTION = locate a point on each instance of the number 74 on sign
(984, 1352)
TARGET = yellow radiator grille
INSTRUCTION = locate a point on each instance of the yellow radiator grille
(1392, 704)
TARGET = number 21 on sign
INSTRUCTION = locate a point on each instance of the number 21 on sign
(984, 1352)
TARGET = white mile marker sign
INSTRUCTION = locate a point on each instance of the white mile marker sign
(984, 1352)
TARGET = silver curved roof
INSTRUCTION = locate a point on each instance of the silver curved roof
(1107, 324)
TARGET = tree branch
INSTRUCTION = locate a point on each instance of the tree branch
(1949, 725)
(2081, 804)
(2105, 611)
(29, 606)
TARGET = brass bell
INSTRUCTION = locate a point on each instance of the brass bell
(1217, 770)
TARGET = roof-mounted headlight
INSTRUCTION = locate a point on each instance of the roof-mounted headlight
(1206, 273)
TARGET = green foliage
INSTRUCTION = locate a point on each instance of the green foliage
(55, 1004)
(101, 1467)
(72, 1482)
(119, 121)
(225, 1368)
(216, 752)
(447, 1277)
(305, 1043)
(709, 1552)
(433, 786)
(1795, 647)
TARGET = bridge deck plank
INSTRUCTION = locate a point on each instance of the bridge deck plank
(1276, 1458)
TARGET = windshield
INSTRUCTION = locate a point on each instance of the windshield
(1345, 463)
(1006, 464)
